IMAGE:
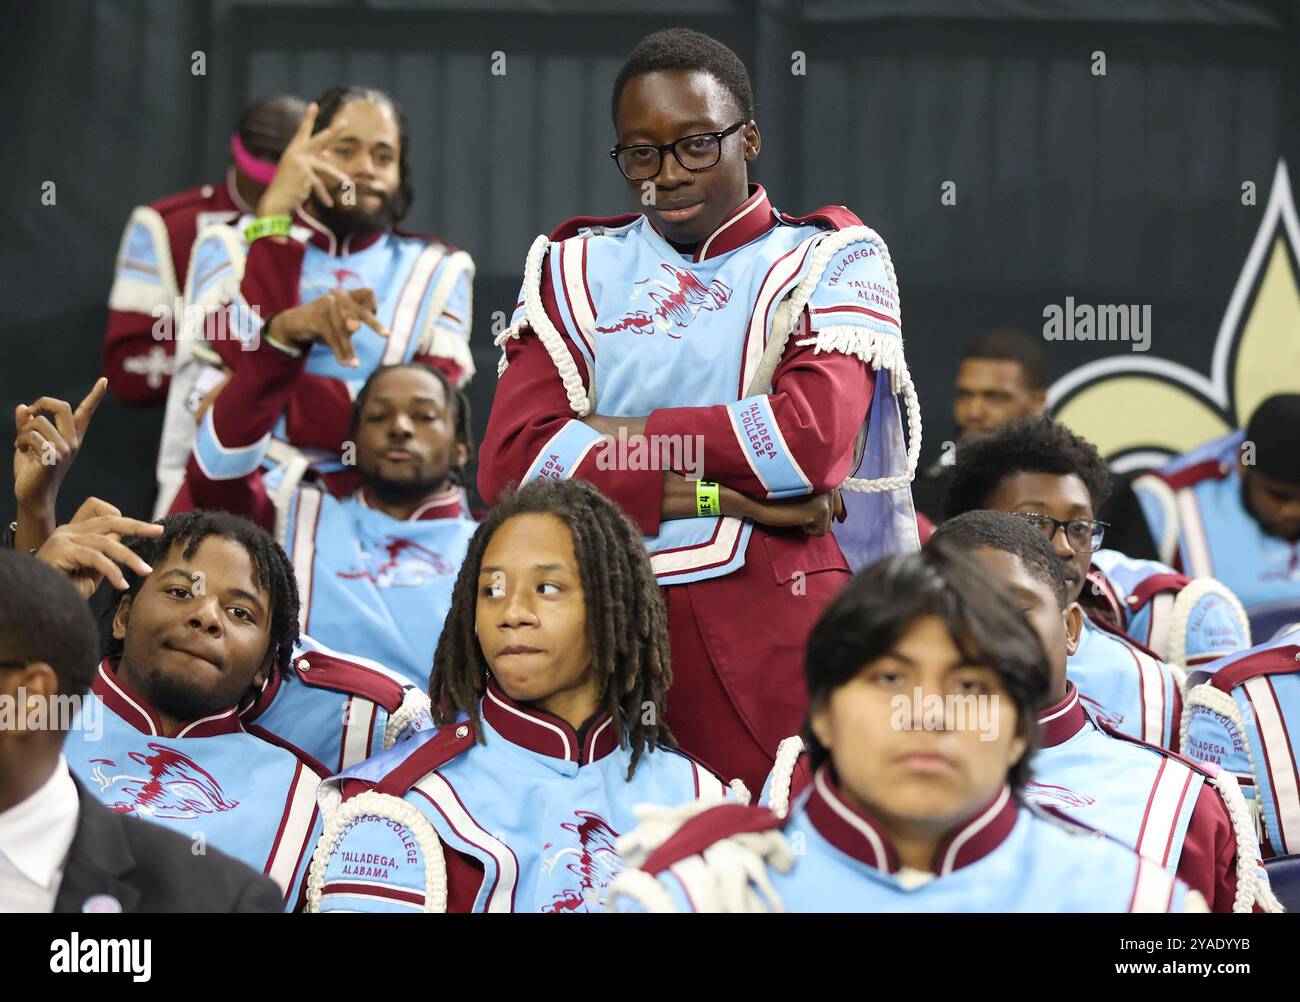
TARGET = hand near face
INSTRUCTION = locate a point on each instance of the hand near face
(90, 548)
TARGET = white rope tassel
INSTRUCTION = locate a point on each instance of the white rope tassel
(1252, 884)
(655, 826)
(372, 803)
(787, 754)
(414, 703)
(741, 792)
(536, 318)
(880, 351)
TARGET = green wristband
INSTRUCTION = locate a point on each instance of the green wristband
(706, 498)
(268, 226)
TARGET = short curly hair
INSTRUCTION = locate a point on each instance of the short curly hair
(686, 49)
(1029, 445)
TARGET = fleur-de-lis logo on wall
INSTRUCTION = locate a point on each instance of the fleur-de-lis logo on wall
(1256, 355)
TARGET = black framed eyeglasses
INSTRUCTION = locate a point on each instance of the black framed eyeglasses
(696, 153)
(1083, 534)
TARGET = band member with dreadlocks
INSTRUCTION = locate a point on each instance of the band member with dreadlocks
(209, 613)
(719, 369)
(322, 277)
(375, 566)
(154, 256)
(916, 802)
(549, 683)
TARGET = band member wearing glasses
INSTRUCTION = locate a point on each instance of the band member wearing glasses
(1044, 473)
(912, 807)
(712, 365)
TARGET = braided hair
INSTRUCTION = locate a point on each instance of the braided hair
(274, 572)
(457, 400)
(627, 625)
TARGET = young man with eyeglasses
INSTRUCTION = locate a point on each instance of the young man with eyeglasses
(713, 366)
(1044, 473)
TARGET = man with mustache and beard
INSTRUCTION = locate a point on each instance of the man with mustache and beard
(320, 284)
(209, 613)
(155, 251)
(375, 567)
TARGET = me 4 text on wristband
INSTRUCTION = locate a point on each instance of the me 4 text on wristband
(268, 226)
(706, 498)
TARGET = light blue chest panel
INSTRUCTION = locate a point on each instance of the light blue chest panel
(235, 792)
(1130, 690)
(373, 585)
(544, 829)
(1042, 866)
(655, 329)
(1138, 796)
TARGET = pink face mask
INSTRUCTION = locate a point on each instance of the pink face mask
(257, 170)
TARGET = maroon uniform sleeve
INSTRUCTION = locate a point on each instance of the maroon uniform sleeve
(137, 366)
(1209, 860)
(272, 273)
(818, 404)
(530, 408)
(223, 470)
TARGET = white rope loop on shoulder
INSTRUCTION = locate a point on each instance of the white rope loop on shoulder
(880, 351)
(1185, 604)
(1216, 701)
(536, 318)
(414, 703)
(787, 755)
(1252, 882)
(372, 803)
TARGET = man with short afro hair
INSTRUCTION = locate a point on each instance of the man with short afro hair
(1054, 479)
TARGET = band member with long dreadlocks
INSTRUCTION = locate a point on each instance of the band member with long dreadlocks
(154, 256)
(550, 683)
(721, 370)
(375, 567)
(322, 279)
(924, 681)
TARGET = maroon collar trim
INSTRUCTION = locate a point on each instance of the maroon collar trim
(545, 733)
(749, 221)
(254, 705)
(133, 708)
(447, 503)
(1064, 720)
(856, 834)
(232, 193)
(323, 238)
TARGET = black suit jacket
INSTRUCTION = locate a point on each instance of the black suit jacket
(147, 868)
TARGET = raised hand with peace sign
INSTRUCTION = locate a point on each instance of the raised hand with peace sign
(49, 436)
(302, 165)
